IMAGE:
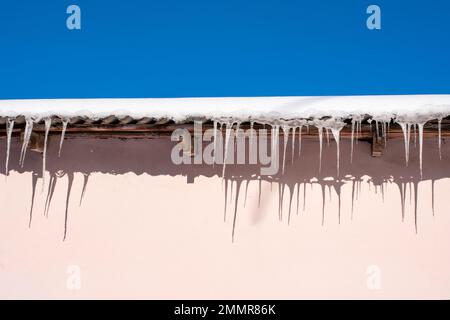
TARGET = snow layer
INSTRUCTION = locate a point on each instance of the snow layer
(405, 107)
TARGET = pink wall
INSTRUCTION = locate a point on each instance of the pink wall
(143, 231)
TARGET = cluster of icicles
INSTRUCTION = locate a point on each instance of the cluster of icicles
(379, 127)
(333, 125)
(29, 122)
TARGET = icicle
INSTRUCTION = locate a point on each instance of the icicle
(336, 135)
(9, 130)
(26, 140)
(215, 130)
(228, 128)
(420, 126)
(215, 141)
(328, 136)
(352, 138)
(415, 135)
(48, 123)
(439, 137)
(405, 128)
(275, 141)
(320, 147)
(63, 133)
(293, 144)
(235, 133)
(286, 130)
(250, 140)
(408, 127)
(300, 141)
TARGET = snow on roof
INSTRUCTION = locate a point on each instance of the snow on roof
(178, 109)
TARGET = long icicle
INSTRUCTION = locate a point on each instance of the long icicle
(439, 137)
(250, 139)
(63, 134)
(352, 138)
(48, 124)
(420, 126)
(293, 144)
(286, 130)
(10, 127)
(228, 128)
(336, 134)
(320, 147)
(415, 135)
(26, 140)
(408, 127)
(275, 141)
(405, 130)
(300, 141)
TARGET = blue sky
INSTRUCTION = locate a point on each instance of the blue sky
(186, 48)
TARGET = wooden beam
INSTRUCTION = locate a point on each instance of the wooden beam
(145, 129)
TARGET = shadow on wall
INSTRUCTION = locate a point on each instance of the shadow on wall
(153, 157)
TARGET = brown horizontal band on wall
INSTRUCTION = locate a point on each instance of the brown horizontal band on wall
(109, 127)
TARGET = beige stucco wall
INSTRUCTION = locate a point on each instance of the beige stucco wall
(149, 229)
